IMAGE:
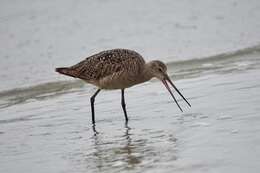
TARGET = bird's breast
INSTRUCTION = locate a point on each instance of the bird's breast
(117, 81)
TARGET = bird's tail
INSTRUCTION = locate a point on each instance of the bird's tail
(66, 71)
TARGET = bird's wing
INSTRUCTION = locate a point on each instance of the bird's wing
(107, 63)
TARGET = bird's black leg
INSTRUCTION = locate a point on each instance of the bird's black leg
(92, 101)
(123, 104)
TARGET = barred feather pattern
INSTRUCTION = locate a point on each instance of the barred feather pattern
(110, 69)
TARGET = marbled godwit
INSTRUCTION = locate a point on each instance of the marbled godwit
(118, 69)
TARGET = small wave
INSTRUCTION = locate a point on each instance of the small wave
(218, 57)
(20, 95)
(243, 59)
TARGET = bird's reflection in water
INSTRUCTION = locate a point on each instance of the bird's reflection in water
(129, 149)
(116, 152)
(94, 130)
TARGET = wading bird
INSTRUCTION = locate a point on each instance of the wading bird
(118, 69)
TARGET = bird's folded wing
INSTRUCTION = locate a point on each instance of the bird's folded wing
(107, 63)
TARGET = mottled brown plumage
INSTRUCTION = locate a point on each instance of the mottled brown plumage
(107, 68)
(118, 69)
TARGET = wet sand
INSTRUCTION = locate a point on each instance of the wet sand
(50, 130)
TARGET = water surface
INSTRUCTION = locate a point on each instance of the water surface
(213, 56)
(48, 129)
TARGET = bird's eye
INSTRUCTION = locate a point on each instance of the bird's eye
(160, 70)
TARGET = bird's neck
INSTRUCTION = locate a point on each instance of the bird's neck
(146, 73)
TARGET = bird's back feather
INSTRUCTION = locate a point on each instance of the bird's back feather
(106, 63)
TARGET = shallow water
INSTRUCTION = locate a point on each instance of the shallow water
(48, 129)
(213, 55)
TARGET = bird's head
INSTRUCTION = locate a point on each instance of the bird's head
(159, 70)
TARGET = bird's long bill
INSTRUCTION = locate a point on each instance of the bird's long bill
(168, 88)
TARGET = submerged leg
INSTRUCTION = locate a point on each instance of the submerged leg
(92, 101)
(123, 104)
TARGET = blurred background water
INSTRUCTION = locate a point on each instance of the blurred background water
(37, 36)
(212, 49)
